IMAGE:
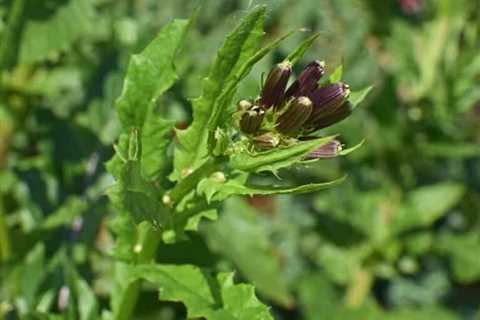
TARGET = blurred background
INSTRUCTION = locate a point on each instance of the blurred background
(400, 239)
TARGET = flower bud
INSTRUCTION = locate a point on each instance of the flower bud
(329, 150)
(273, 90)
(341, 113)
(251, 120)
(326, 100)
(308, 80)
(266, 141)
(293, 118)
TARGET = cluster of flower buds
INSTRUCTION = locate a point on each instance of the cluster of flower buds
(296, 110)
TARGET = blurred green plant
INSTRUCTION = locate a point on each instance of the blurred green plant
(397, 240)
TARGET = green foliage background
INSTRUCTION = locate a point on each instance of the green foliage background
(398, 239)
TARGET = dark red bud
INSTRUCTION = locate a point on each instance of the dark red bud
(273, 91)
(329, 150)
(308, 80)
(251, 120)
(293, 118)
(329, 119)
(326, 100)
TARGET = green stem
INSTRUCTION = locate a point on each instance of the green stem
(12, 34)
(149, 240)
(189, 183)
(146, 248)
(5, 248)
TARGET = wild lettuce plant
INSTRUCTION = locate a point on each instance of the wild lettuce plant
(168, 179)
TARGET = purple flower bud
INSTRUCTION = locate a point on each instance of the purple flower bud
(329, 119)
(329, 150)
(266, 141)
(293, 118)
(251, 120)
(326, 100)
(273, 90)
(308, 80)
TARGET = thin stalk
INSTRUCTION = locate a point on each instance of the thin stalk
(189, 183)
(5, 248)
(359, 288)
(146, 248)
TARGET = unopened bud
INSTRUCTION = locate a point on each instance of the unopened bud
(266, 141)
(327, 100)
(307, 82)
(273, 90)
(329, 119)
(251, 120)
(293, 118)
(328, 150)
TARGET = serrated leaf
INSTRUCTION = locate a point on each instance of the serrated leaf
(275, 159)
(156, 137)
(356, 97)
(137, 196)
(203, 296)
(192, 146)
(150, 74)
(239, 235)
(218, 191)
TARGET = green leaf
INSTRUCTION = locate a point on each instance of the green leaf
(426, 204)
(70, 22)
(239, 236)
(156, 137)
(150, 74)
(275, 159)
(217, 191)
(356, 97)
(317, 295)
(337, 75)
(203, 296)
(137, 196)
(222, 112)
(66, 213)
(298, 53)
(192, 148)
(462, 253)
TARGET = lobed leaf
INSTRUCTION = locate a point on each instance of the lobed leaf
(217, 191)
(275, 159)
(203, 296)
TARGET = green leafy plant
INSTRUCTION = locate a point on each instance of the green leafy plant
(212, 160)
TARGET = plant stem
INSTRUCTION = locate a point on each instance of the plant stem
(147, 245)
(189, 183)
(359, 288)
(5, 249)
